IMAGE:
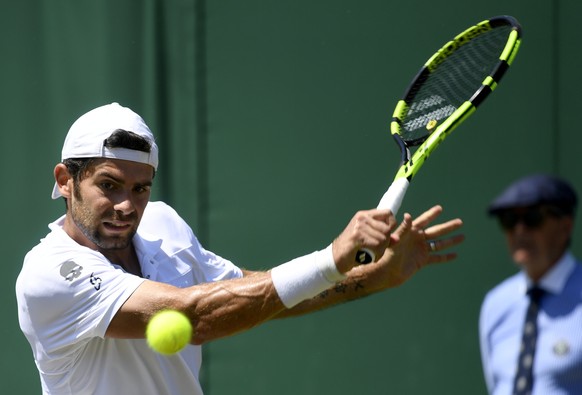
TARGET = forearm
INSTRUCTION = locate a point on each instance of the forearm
(316, 281)
(239, 305)
(228, 307)
(361, 281)
(223, 308)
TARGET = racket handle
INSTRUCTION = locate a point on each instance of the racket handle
(392, 200)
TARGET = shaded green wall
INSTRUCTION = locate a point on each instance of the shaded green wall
(272, 120)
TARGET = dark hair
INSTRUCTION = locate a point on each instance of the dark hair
(124, 139)
(79, 167)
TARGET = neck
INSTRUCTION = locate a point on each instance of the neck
(535, 273)
(126, 258)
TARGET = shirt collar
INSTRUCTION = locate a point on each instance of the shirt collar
(555, 279)
(145, 244)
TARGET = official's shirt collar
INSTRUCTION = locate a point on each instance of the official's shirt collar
(555, 279)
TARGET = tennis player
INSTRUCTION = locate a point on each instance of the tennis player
(87, 290)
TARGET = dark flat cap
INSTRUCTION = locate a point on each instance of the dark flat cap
(535, 190)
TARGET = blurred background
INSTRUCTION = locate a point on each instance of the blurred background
(272, 118)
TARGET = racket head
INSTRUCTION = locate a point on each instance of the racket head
(446, 90)
(451, 85)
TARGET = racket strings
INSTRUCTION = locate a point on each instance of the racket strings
(437, 94)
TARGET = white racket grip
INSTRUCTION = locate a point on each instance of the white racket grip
(393, 197)
(391, 200)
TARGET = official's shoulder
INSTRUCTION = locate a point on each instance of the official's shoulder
(575, 280)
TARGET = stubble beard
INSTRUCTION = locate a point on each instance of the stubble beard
(86, 221)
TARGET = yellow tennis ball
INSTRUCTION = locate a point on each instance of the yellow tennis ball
(168, 332)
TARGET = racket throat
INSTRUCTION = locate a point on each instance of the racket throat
(403, 147)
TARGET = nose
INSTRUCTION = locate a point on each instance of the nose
(124, 204)
(520, 228)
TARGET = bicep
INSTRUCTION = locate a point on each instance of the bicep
(130, 321)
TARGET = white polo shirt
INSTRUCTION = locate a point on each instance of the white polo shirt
(68, 294)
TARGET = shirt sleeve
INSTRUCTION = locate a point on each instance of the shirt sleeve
(181, 246)
(75, 299)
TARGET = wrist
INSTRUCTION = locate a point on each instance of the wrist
(306, 277)
(342, 264)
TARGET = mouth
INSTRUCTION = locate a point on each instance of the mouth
(117, 226)
(524, 245)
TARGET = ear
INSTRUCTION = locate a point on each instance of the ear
(566, 229)
(569, 224)
(64, 180)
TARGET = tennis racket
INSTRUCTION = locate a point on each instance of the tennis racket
(447, 89)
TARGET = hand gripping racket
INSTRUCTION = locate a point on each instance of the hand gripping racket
(447, 89)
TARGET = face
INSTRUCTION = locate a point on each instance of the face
(536, 238)
(105, 208)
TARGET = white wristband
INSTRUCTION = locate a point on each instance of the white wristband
(305, 277)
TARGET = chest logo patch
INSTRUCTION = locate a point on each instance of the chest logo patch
(70, 270)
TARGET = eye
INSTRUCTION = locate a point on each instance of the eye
(142, 188)
(107, 186)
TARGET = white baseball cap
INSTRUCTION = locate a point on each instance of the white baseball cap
(86, 137)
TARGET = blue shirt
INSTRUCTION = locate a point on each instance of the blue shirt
(557, 365)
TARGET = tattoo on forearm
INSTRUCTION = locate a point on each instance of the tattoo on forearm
(342, 288)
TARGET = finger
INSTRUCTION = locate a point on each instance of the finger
(424, 219)
(376, 215)
(374, 221)
(441, 258)
(385, 216)
(443, 244)
(443, 229)
(372, 238)
(405, 226)
(376, 228)
(371, 230)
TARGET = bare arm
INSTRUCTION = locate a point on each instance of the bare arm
(224, 308)
(215, 309)
(399, 262)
